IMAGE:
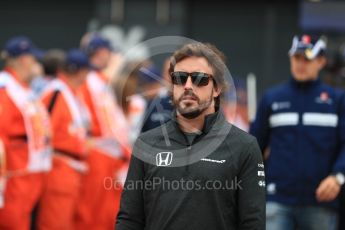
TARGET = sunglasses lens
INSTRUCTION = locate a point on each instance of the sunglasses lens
(179, 78)
(200, 79)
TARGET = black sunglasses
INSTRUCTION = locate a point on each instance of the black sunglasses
(198, 78)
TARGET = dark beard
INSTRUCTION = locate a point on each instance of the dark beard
(188, 113)
(192, 114)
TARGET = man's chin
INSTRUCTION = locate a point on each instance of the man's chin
(302, 78)
(190, 114)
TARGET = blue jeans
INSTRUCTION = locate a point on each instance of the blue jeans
(284, 217)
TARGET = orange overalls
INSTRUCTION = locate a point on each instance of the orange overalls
(25, 153)
(69, 124)
(101, 189)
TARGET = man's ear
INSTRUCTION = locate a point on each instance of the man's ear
(216, 91)
(322, 62)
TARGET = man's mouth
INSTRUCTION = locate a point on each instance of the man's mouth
(189, 98)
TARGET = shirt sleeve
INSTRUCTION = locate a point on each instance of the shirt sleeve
(260, 127)
(339, 165)
(252, 192)
(5, 125)
(131, 215)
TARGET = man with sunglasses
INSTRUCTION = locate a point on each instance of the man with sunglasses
(301, 127)
(181, 173)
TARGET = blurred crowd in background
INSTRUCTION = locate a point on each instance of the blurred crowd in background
(97, 99)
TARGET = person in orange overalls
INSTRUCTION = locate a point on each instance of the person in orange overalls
(25, 151)
(107, 161)
(70, 121)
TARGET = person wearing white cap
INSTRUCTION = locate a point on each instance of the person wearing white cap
(301, 127)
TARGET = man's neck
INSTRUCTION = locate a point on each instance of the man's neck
(102, 75)
(307, 79)
(18, 74)
(194, 125)
(70, 81)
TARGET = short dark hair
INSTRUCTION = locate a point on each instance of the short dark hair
(53, 61)
(215, 58)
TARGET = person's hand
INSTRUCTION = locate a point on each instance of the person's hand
(267, 152)
(328, 189)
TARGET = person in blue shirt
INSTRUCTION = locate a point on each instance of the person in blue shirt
(155, 89)
(300, 125)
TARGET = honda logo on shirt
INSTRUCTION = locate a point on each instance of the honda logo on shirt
(164, 158)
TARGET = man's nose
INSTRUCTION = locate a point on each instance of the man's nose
(189, 83)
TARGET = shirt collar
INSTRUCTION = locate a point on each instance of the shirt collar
(304, 84)
(14, 74)
(213, 121)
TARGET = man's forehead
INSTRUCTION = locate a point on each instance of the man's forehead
(193, 63)
(302, 56)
